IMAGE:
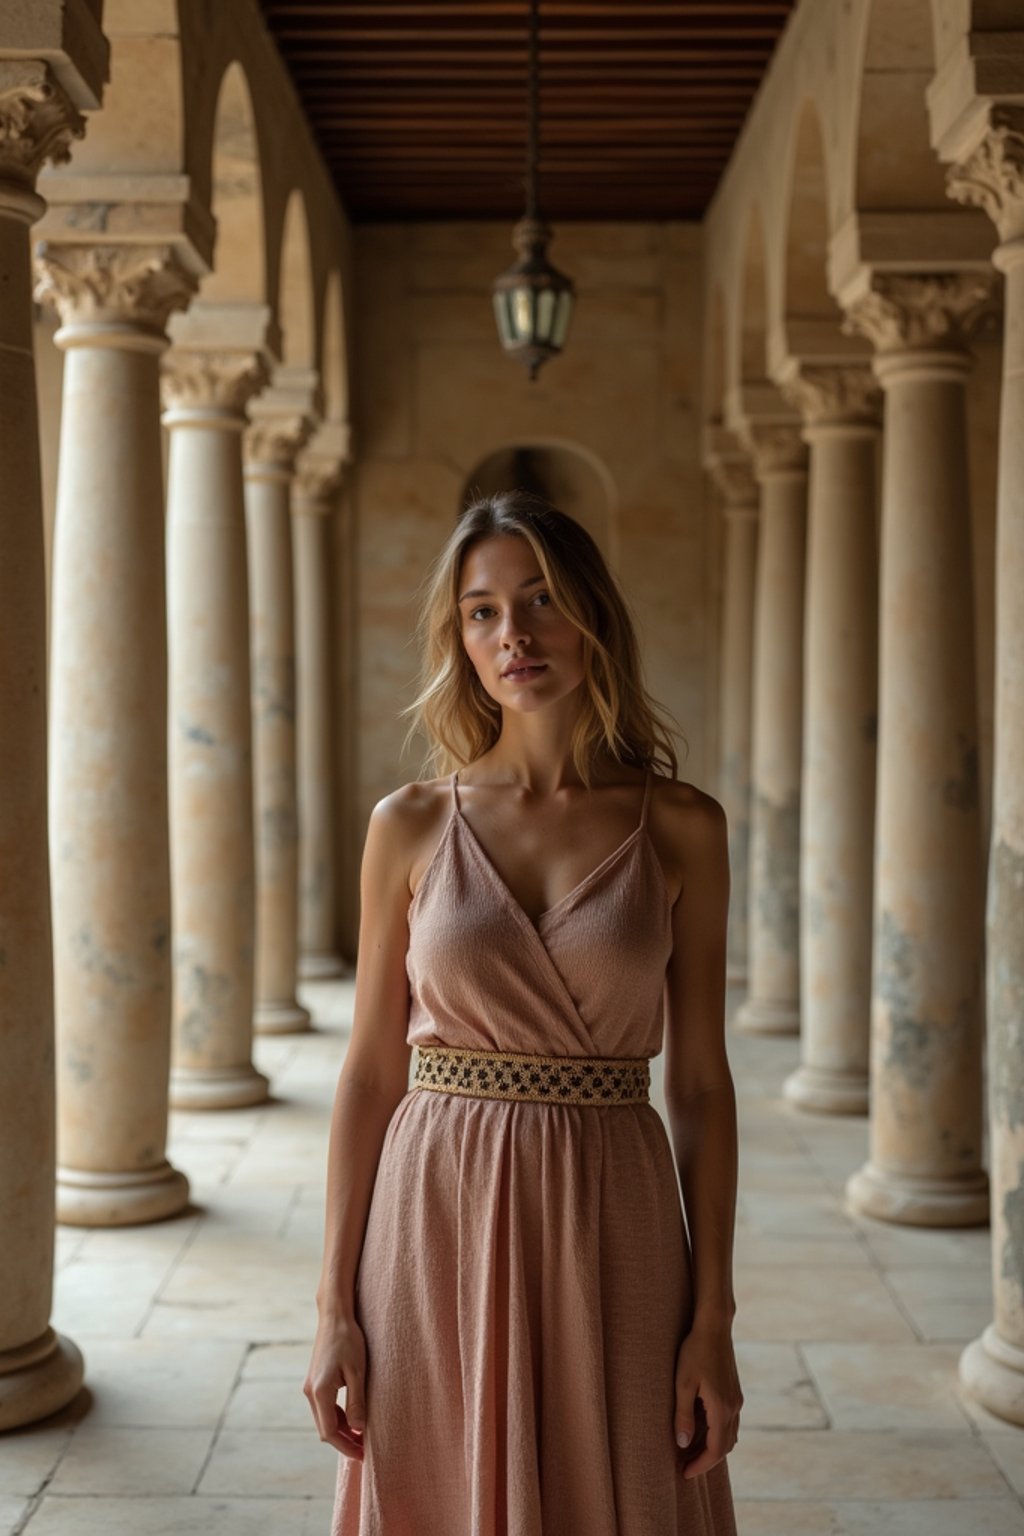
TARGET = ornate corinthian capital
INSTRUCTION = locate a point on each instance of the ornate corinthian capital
(776, 448)
(833, 394)
(38, 120)
(275, 440)
(134, 284)
(317, 484)
(904, 312)
(214, 380)
(733, 478)
(992, 176)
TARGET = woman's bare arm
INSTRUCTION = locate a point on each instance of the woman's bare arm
(699, 1092)
(373, 1080)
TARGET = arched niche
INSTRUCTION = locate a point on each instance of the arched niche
(239, 261)
(570, 480)
(805, 261)
(334, 352)
(753, 304)
(715, 360)
(896, 167)
(295, 309)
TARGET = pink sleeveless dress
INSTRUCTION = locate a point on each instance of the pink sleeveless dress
(525, 1278)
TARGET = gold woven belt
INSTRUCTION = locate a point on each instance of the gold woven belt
(544, 1079)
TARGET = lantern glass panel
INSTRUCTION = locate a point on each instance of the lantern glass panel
(545, 314)
(503, 318)
(522, 302)
(562, 316)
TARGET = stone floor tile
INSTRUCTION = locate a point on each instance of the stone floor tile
(864, 1464)
(779, 1214)
(276, 1463)
(274, 1403)
(752, 1250)
(778, 1392)
(258, 1319)
(112, 1459)
(28, 1457)
(12, 1514)
(895, 1246)
(148, 1383)
(912, 1517)
(278, 1361)
(823, 1303)
(887, 1386)
(944, 1302)
(95, 1297)
(180, 1517)
(1008, 1450)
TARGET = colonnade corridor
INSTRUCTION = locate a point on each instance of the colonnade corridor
(197, 1333)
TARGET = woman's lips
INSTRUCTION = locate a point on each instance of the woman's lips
(524, 674)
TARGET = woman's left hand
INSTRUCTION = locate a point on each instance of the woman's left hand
(706, 1368)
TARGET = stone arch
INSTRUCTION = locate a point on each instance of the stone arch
(715, 359)
(894, 165)
(295, 305)
(805, 292)
(573, 479)
(334, 352)
(752, 318)
(240, 255)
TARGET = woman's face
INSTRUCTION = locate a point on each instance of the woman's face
(507, 614)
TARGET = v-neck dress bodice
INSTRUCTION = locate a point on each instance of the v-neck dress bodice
(525, 1279)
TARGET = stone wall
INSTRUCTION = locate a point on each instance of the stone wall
(435, 397)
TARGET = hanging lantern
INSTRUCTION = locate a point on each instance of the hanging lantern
(533, 300)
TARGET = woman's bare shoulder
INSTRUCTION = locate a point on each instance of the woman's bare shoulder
(686, 823)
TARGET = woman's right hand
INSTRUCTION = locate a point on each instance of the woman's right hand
(339, 1360)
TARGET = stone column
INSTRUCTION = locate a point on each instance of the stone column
(40, 1371)
(211, 798)
(773, 999)
(314, 498)
(108, 779)
(924, 1165)
(739, 492)
(270, 448)
(992, 1367)
(840, 406)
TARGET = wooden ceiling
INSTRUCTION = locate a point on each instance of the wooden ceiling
(419, 106)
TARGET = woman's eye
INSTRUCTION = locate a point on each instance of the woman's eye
(544, 595)
(478, 610)
(486, 608)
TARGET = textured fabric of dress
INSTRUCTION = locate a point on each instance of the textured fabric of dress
(525, 1279)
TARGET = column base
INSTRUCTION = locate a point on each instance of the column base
(321, 966)
(764, 1016)
(38, 1379)
(89, 1199)
(912, 1201)
(827, 1091)
(281, 1019)
(217, 1087)
(992, 1372)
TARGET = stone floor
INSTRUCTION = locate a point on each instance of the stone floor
(196, 1334)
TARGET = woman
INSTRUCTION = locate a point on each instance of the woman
(526, 1338)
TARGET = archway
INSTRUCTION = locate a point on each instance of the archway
(567, 477)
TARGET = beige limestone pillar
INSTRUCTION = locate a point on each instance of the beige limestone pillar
(735, 481)
(772, 1005)
(211, 796)
(314, 498)
(992, 1367)
(271, 444)
(40, 1370)
(840, 407)
(108, 774)
(924, 1165)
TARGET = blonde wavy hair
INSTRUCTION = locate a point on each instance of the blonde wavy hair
(455, 712)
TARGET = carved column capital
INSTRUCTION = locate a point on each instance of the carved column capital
(777, 449)
(845, 394)
(992, 176)
(317, 485)
(733, 478)
(38, 120)
(138, 285)
(934, 311)
(273, 441)
(215, 380)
